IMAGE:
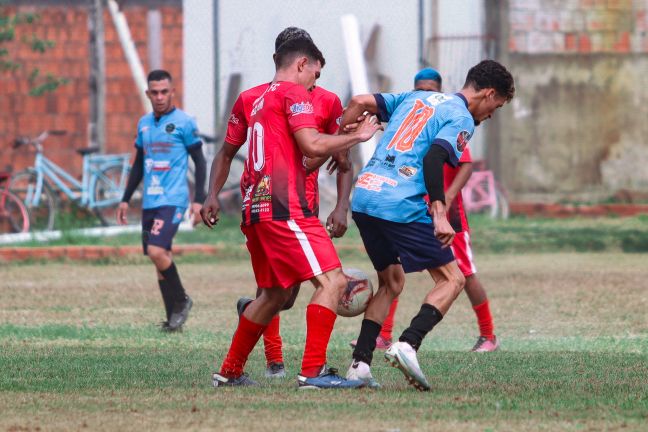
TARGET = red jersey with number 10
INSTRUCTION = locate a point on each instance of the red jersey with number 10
(274, 181)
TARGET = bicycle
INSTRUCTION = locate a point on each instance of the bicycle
(230, 195)
(99, 190)
(14, 217)
(482, 193)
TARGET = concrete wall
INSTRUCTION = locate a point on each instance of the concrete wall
(577, 127)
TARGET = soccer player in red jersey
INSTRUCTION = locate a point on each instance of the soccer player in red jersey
(328, 111)
(455, 179)
(286, 241)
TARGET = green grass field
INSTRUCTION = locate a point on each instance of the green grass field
(79, 350)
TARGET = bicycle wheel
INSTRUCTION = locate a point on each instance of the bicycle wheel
(108, 194)
(42, 215)
(13, 214)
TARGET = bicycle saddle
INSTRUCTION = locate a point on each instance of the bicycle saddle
(87, 150)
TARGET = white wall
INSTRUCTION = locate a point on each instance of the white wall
(248, 30)
(198, 62)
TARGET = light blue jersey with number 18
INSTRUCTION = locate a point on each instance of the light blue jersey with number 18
(391, 186)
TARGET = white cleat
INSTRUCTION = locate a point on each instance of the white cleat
(360, 370)
(402, 356)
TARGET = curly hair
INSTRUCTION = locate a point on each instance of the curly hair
(291, 33)
(491, 74)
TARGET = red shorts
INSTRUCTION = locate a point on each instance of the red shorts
(285, 253)
(463, 253)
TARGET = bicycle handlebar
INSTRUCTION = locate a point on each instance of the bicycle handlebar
(36, 142)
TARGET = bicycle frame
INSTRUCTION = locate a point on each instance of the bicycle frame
(81, 192)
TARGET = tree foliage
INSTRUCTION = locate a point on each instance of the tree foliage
(10, 22)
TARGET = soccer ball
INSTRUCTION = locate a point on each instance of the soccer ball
(357, 294)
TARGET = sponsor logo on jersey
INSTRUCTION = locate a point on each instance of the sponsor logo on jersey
(169, 127)
(155, 188)
(262, 192)
(407, 171)
(144, 129)
(148, 165)
(301, 108)
(246, 196)
(163, 165)
(462, 140)
(438, 98)
(233, 119)
(389, 161)
(374, 182)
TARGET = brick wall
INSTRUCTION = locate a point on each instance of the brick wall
(68, 107)
(578, 26)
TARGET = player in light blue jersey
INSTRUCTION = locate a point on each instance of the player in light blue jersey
(401, 233)
(165, 139)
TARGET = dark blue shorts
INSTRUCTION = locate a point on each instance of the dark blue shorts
(411, 244)
(159, 225)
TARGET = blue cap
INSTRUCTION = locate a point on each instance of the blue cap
(428, 74)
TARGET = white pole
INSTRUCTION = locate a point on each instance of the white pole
(357, 71)
(130, 52)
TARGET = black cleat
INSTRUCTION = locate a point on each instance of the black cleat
(242, 303)
(180, 314)
(244, 380)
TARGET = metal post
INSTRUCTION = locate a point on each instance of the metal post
(97, 127)
(154, 24)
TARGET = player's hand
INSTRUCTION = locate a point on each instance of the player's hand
(352, 127)
(210, 211)
(368, 128)
(336, 223)
(194, 213)
(443, 231)
(122, 213)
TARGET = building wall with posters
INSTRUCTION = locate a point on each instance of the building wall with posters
(577, 128)
(66, 24)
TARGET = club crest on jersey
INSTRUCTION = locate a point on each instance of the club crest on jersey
(301, 108)
(170, 127)
(407, 171)
(148, 165)
(462, 140)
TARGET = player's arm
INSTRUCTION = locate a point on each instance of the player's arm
(460, 180)
(314, 144)
(358, 105)
(433, 176)
(218, 174)
(200, 163)
(134, 179)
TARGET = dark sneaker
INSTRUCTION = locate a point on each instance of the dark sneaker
(244, 380)
(328, 378)
(275, 370)
(242, 303)
(486, 345)
(180, 314)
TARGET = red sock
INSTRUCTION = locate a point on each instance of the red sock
(388, 324)
(319, 325)
(245, 338)
(272, 342)
(484, 320)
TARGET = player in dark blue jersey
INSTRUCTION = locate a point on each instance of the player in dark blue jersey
(402, 233)
(165, 139)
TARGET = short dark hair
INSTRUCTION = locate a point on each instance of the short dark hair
(290, 33)
(491, 74)
(294, 48)
(158, 75)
